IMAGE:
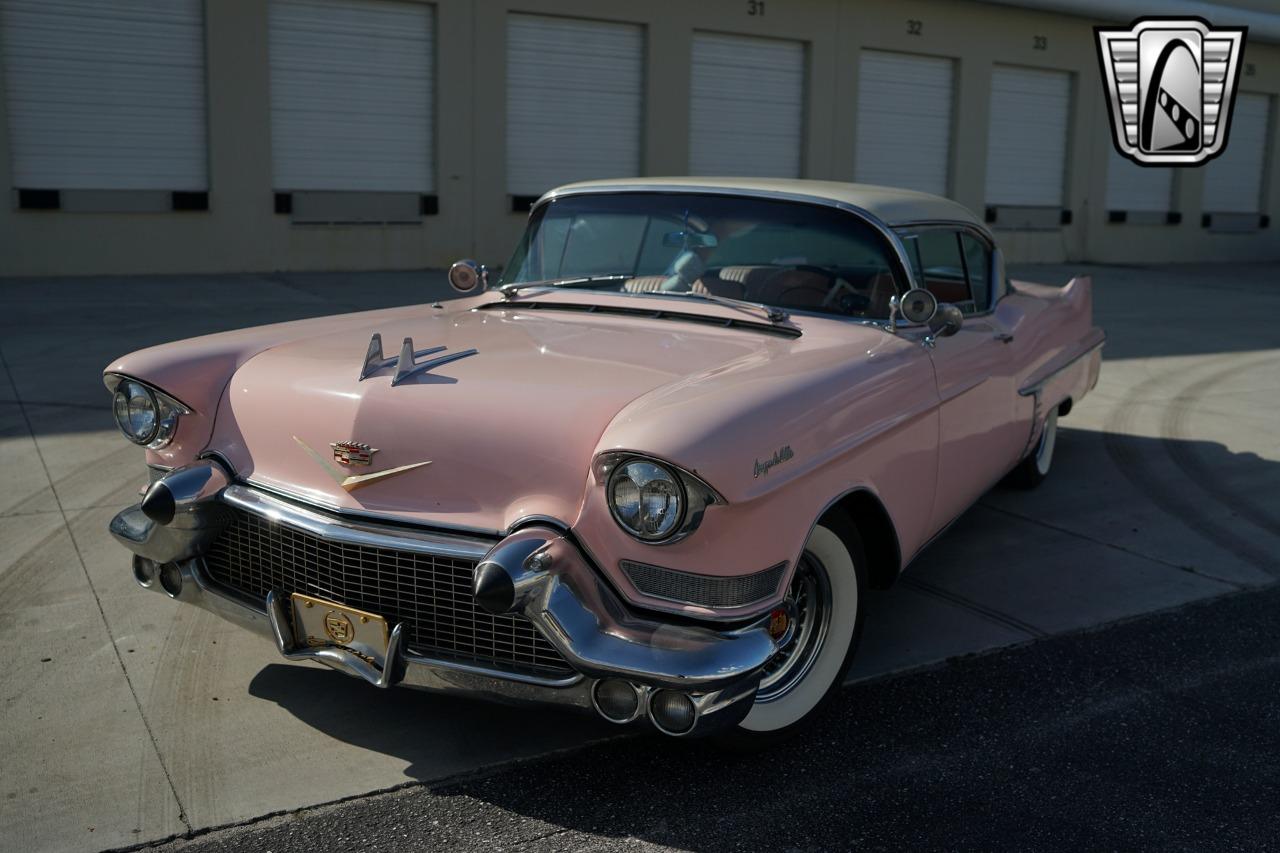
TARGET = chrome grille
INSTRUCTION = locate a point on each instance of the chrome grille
(429, 594)
(704, 590)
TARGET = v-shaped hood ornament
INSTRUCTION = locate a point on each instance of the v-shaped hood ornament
(350, 482)
(406, 365)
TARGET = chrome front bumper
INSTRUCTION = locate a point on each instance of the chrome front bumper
(551, 584)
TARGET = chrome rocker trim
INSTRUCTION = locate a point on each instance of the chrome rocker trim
(550, 580)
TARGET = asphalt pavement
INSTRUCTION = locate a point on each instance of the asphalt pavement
(1160, 733)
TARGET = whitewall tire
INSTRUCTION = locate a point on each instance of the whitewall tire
(1033, 470)
(827, 590)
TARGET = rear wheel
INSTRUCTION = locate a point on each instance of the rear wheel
(826, 592)
(1033, 470)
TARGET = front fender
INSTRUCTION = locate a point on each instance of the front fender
(780, 442)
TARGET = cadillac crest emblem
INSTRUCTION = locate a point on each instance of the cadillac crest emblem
(339, 628)
(352, 453)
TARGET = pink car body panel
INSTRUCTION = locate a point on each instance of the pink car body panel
(511, 432)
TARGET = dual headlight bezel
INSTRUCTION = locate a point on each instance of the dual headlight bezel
(693, 494)
(127, 394)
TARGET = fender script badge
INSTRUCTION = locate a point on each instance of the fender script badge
(779, 456)
(350, 482)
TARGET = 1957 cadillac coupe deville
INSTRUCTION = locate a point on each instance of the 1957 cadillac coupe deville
(651, 472)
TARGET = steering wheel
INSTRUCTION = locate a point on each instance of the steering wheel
(836, 294)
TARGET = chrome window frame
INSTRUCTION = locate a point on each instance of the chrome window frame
(994, 281)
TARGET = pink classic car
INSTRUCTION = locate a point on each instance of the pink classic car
(651, 472)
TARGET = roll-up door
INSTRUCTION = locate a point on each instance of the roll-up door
(1137, 189)
(105, 96)
(573, 101)
(904, 121)
(746, 108)
(352, 95)
(1233, 182)
(1027, 137)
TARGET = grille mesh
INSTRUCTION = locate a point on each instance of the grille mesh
(429, 594)
(701, 589)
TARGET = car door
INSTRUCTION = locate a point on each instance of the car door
(979, 438)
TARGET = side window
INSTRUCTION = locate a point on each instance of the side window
(977, 261)
(939, 266)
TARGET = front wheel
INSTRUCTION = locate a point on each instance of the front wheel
(826, 591)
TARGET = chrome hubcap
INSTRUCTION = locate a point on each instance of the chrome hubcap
(810, 595)
(1044, 451)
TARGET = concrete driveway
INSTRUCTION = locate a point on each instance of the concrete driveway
(127, 719)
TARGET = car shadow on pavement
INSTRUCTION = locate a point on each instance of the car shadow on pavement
(437, 735)
(1106, 538)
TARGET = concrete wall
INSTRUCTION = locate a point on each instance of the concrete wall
(240, 231)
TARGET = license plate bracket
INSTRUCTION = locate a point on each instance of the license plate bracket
(318, 623)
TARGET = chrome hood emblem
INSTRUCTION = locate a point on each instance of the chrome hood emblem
(406, 364)
(352, 453)
(351, 482)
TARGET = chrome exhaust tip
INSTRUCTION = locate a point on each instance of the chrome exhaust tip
(616, 700)
(672, 713)
(171, 579)
(144, 571)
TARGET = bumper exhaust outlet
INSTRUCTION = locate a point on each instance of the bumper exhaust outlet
(672, 713)
(616, 700)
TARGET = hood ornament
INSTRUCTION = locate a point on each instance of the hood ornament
(406, 364)
(354, 451)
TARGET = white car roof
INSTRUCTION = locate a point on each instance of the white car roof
(890, 205)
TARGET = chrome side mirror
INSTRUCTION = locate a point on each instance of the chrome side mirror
(946, 321)
(468, 276)
(917, 306)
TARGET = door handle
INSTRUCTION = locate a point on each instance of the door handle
(1003, 337)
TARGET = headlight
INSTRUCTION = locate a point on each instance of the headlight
(144, 415)
(646, 499)
(652, 500)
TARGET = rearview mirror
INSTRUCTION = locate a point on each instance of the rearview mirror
(468, 276)
(689, 240)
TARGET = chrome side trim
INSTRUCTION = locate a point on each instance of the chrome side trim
(352, 531)
(1035, 384)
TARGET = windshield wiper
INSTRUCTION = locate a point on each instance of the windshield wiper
(510, 290)
(771, 313)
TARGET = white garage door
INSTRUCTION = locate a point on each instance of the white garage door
(573, 101)
(904, 121)
(352, 95)
(746, 107)
(105, 96)
(1027, 136)
(1233, 182)
(1134, 188)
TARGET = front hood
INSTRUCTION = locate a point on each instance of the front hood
(509, 432)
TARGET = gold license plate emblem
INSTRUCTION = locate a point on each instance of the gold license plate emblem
(317, 622)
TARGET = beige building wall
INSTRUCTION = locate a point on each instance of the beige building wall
(240, 231)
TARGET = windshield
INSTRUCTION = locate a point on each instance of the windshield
(787, 254)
